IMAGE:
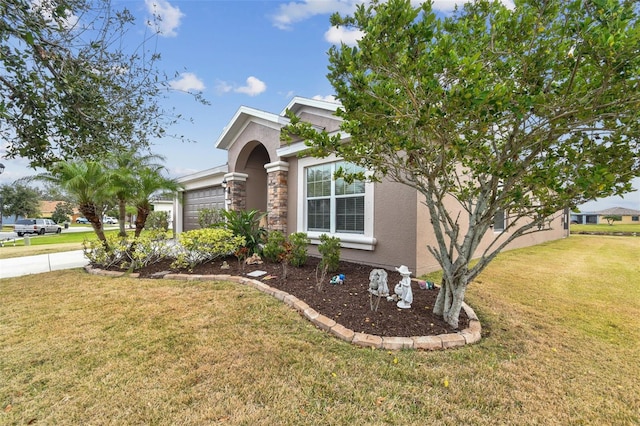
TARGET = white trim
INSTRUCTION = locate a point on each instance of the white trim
(277, 166)
(354, 241)
(242, 118)
(240, 177)
(364, 241)
(298, 103)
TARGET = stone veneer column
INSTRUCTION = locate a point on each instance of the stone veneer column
(277, 195)
(236, 196)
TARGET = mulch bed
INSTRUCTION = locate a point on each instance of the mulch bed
(348, 303)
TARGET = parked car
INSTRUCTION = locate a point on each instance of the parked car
(110, 220)
(36, 226)
(82, 220)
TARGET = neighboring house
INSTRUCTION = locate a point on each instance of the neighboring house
(165, 204)
(383, 224)
(48, 207)
(627, 216)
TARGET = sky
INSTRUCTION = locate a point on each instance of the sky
(251, 53)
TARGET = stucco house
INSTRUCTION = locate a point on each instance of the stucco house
(382, 224)
(628, 216)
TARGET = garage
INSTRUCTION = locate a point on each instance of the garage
(194, 200)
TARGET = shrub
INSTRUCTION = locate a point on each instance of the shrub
(157, 221)
(128, 253)
(209, 217)
(329, 248)
(245, 224)
(204, 245)
(274, 247)
(299, 245)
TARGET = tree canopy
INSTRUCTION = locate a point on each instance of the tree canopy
(525, 111)
(70, 84)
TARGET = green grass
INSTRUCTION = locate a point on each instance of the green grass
(560, 345)
(603, 227)
(48, 243)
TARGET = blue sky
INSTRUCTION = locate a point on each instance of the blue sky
(242, 52)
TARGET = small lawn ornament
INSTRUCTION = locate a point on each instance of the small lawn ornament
(403, 288)
(337, 279)
(377, 287)
(253, 260)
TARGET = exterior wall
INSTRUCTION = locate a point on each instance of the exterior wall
(625, 219)
(426, 261)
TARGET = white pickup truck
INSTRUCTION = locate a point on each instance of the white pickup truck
(36, 226)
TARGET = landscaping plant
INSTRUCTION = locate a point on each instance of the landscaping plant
(245, 224)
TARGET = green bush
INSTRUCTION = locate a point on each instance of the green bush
(209, 217)
(128, 253)
(299, 242)
(245, 224)
(158, 221)
(204, 245)
(274, 247)
(329, 248)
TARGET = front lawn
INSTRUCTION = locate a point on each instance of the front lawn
(560, 345)
(603, 227)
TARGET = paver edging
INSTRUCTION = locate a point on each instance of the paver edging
(471, 334)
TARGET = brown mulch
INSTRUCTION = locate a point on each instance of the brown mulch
(348, 303)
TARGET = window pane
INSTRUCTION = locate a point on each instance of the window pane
(343, 188)
(498, 221)
(350, 214)
(319, 181)
(319, 215)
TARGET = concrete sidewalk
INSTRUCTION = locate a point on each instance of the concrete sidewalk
(40, 263)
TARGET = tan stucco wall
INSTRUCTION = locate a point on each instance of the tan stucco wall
(427, 263)
(250, 137)
(625, 219)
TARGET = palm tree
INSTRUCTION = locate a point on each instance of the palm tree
(88, 182)
(149, 181)
(125, 166)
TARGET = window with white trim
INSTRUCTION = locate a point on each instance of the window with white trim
(333, 205)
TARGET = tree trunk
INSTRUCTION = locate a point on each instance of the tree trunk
(449, 301)
(122, 217)
(89, 211)
(141, 219)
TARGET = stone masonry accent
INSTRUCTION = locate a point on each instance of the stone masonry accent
(277, 195)
(469, 335)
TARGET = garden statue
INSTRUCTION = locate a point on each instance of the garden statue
(378, 283)
(403, 288)
(377, 287)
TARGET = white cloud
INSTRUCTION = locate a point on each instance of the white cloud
(328, 98)
(223, 87)
(293, 12)
(344, 35)
(298, 11)
(253, 87)
(187, 82)
(45, 9)
(448, 5)
(165, 17)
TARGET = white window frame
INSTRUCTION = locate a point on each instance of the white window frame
(364, 241)
(504, 222)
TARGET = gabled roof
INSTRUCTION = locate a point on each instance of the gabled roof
(242, 118)
(247, 115)
(619, 211)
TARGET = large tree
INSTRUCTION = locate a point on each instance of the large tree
(525, 111)
(19, 199)
(72, 85)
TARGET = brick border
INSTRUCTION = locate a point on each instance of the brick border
(469, 335)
